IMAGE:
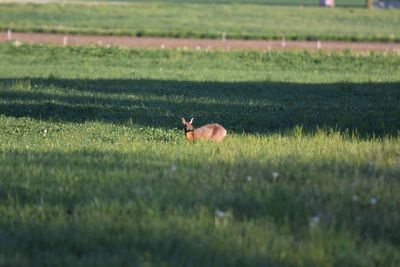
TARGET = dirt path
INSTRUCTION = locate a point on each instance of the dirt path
(198, 44)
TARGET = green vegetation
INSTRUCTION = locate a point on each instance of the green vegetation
(264, 2)
(205, 21)
(95, 171)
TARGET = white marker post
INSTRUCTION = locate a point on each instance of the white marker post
(65, 40)
(223, 37)
(9, 35)
(283, 43)
(319, 44)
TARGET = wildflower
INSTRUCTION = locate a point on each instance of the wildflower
(219, 213)
(275, 175)
(44, 132)
(373, 200)
(355, 198)
(173, 168)
(17, 43)
(222, 218)
(248, 178)
(314, 220)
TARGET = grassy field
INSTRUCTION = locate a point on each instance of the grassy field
(95, 171)
(205, 21)
(263, 2)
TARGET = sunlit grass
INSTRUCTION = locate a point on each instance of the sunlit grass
(199, 20)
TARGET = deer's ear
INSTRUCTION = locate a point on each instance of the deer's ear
(191, 121)
(183, 121)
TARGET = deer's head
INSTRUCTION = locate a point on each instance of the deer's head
(188, 125)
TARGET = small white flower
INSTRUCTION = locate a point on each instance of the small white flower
(275, 175)
(219, 213)
(314, 220)
(248, 178)
(355, 198)
(17, 43)
(44, 132)
(173, 168)
(373, 200)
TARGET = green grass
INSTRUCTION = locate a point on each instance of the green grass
(95, 171)
(242, 21)
(264, 2)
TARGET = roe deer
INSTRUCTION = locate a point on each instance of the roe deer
(213, 132)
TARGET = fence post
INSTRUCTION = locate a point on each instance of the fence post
(368, 3)
(283, 42)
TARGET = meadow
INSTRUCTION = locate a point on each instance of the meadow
(196, 20)
(355, 3)
(95, 171)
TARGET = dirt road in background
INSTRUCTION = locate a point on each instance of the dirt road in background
(197, 44)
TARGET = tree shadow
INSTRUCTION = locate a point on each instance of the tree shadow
(254, 107)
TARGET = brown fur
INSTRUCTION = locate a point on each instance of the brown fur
(212, 132)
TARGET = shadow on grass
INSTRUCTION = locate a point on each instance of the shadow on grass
(69, 181)
(253, 107)
(114, 236)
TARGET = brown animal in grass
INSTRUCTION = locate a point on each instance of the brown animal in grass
(212, 132)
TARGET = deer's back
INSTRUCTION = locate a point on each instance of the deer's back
(211, 132)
